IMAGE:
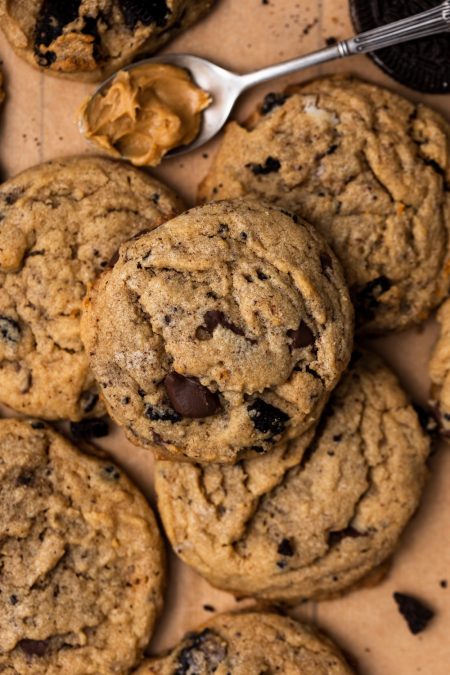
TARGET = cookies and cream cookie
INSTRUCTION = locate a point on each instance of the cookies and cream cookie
(251, 643)
(368, 168)
(89, 40)
(61, 222)
(221, 334)
(82, 559)
(320, 518)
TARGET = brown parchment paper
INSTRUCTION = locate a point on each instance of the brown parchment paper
(39, 123)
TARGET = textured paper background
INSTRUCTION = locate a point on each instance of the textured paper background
(38, 123)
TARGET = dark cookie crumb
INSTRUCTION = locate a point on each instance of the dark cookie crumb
(95, 427)
(443, 583)
(416, 614)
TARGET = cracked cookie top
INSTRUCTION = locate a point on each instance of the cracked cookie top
(82, 560)
(319, 518)
(220, 334)
(61, 223)
(250, 643)
(91, 39)
(370, 170)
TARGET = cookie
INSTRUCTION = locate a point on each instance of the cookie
(370, 170)
(439, 369)
(220, 334)
(82, 559)
(61, 222)
(422, 64)
(317, 521)
(87, 40)
(251, 643)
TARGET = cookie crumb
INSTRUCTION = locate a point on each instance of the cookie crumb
(416, 614)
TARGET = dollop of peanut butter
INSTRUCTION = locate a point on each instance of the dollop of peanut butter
(145, 112)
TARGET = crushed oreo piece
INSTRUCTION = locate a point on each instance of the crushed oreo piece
(53, 16)
(338, 535)
(145, 12)
(267, 418)
(271, 101)
(204, 652)
(161, 414)
(271, 165)
(416, 614)
(286, 548)
(93, 427)
(368, 297)
(10, 330)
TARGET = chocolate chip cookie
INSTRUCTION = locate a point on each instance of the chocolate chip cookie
(89, 40)
(439, 369)
(61, 222)
(251, 643)
(371, 170)
(82, 559)
(322, 518)
(221, 333)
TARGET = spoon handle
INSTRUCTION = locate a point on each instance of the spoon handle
(430, 22)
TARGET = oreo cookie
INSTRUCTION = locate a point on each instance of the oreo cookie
(423, 65)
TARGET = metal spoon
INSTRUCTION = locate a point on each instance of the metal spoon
(225, 87)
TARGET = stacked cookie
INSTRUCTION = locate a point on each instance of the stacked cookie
(221, 340)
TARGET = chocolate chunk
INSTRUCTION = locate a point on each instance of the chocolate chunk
(145, 12)
(94, 427)
(285, 547)
(367, 298)
(190, 398)
(111, 472)
(271, 101)
(301, 337)
(267, 418)
(161, 414)
(33, 647)
(422, 64)
(53, 16)
(212, 319)
(338, 535)
(416, 614)
(204, 652)
(271, 165)
(10, 330)
(88, 401)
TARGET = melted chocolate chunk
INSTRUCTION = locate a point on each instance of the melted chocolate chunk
(189, 398)
(10, 330)
(33, 647)
(286, 548)
(271, 165)
(212, 319)
(368, 297)
(145, 12)
(271, 101)
(161, 414)
(53, 16)
(337, 536)
(301, 337)
(267, 418)
(204, 652)
(94, 427)
(416, 614)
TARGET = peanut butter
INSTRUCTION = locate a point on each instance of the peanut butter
(146, 112)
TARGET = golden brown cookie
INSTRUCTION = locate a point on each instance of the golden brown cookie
(439, 369)
(221, 333)
(368, 168)
(312, 522)
(61, 222)
(82, 559)
(88, 40)
(251, 643)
